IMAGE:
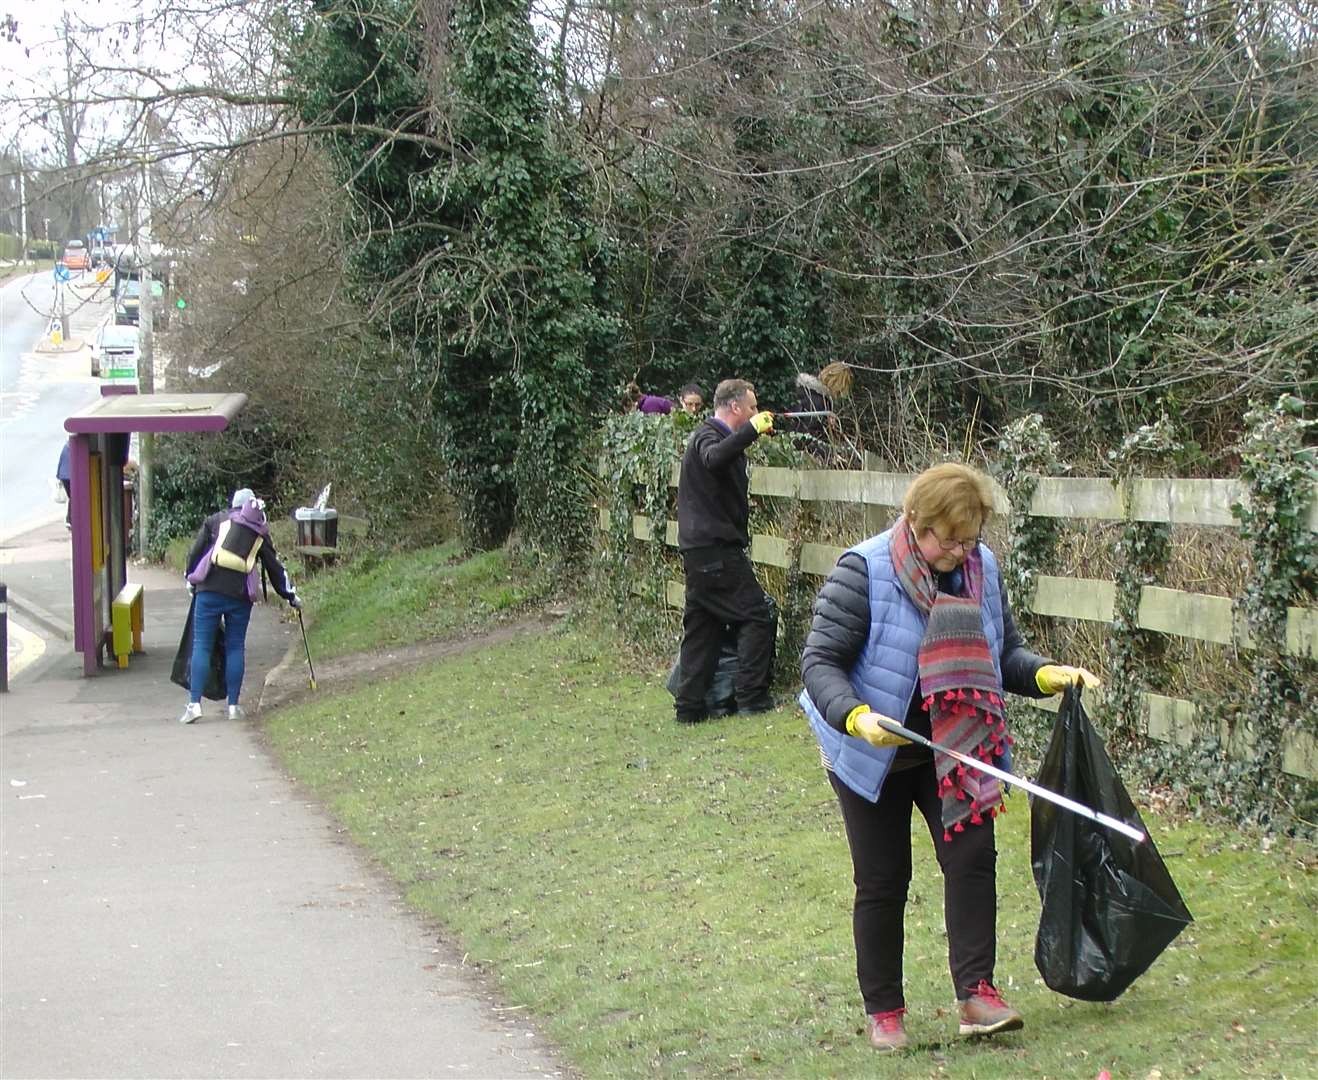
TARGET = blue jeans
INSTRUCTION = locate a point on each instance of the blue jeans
(205, 623)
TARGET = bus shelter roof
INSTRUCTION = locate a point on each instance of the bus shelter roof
(156, 413)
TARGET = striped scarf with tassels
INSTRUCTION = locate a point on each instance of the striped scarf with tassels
(959, 682)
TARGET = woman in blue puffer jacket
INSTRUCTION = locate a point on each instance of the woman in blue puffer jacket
(913, 625)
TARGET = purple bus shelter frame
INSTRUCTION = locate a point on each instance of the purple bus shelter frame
(121, 414)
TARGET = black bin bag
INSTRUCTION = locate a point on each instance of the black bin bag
(181, 673)
(721, 698)
(1109, 905)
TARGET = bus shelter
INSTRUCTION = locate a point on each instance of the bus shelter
(98, 452)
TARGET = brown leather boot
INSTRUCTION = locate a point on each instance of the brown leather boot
(887, 1032)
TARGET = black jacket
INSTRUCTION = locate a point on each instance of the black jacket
(713, 500)
(841, 626)
(234, 582)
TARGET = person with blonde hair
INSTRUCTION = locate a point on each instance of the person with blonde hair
(913, 625)
(821, 394)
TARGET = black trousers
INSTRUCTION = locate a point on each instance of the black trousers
(880, 838)
(721, 591)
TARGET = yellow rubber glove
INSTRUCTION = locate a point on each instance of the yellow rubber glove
(864, 724)
(1054, 678)
(762, 422)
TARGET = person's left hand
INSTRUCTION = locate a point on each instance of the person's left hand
(1054, 678)
(295, 602)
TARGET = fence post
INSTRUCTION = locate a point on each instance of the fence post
(877, 518)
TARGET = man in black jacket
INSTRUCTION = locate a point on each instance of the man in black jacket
(713, 517)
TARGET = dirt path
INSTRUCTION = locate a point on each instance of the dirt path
(287, 683)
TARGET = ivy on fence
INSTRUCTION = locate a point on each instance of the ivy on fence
(1027, 452)
(1281, 469)
(1143, 551)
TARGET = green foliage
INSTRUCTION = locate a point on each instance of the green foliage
(1279, 464)
(1142, 552)
(636, 455)
(190, 481)
(1027, 452)
(505, 305)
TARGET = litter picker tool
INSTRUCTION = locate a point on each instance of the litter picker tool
(810, 413)
(1016, 781)
(311, 679)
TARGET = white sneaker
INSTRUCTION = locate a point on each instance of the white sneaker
(191, 713)
(236, 712)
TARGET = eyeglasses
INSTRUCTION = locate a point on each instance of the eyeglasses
(953, 545)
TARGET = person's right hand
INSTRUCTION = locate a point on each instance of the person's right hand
(1054, 678)
(762, 422)
(295, 602)
(866, 726)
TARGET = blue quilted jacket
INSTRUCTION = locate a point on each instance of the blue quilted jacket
(863, 647)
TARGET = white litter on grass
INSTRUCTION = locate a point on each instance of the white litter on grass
(18, 783)
(22, 797)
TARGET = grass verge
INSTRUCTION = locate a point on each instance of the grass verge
(674, 901)
(377, 602)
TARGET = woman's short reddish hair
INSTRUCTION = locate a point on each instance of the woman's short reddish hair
(952, 496)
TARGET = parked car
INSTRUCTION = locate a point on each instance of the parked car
(113, 347)
(128, 303)
(75, 256)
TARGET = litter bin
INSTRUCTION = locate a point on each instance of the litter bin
(316, 528)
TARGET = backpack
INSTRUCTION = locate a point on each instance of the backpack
(237, 546)
(238, 540)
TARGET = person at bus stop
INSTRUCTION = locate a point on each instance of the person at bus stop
(913, 625)
(64, 474)
(713, 519)
(223, 567)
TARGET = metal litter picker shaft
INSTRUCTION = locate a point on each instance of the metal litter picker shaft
(311, 670)
(1016, 781)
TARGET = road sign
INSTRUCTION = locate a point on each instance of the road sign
(61, 272)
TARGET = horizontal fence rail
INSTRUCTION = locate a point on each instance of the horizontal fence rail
(1195, 616)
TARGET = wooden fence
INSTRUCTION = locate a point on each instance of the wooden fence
(1198, 616)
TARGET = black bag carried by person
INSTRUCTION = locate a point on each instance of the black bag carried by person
(1109, 905)
(181, 673)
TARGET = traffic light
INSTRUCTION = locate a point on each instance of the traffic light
(180, 303)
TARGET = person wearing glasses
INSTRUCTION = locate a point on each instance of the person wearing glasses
(913, 625)
(713, 533)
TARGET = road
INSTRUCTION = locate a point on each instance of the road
(37, 392)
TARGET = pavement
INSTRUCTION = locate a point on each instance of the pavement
(173, 905)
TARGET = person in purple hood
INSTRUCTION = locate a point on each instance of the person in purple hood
(224, 567)
(634, 398)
